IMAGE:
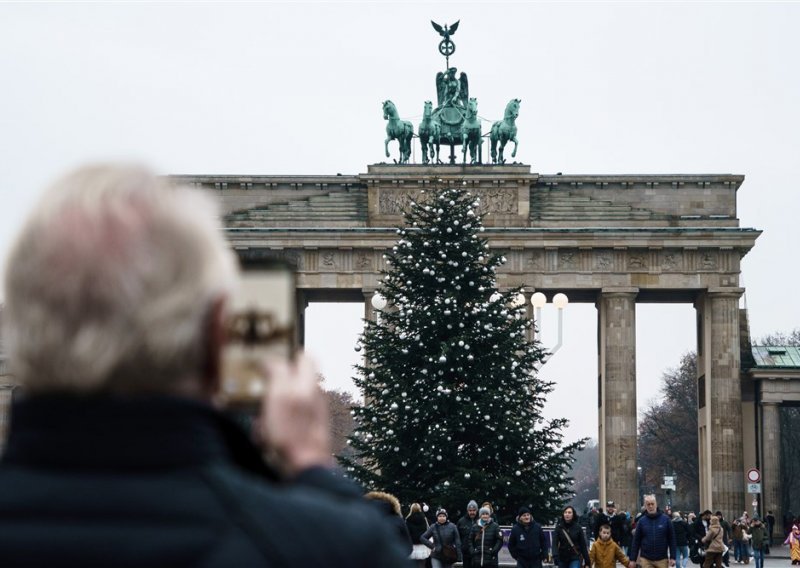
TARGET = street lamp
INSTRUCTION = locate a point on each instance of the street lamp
(378, 301)
(560, 301)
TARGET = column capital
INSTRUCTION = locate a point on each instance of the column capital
(619, 291)
(727, 292)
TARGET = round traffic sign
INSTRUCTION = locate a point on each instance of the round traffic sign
(753, 475)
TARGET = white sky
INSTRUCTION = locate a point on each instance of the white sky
(256, 88)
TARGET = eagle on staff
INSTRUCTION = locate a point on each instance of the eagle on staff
(445, 32)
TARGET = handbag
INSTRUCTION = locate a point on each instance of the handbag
(449, 552)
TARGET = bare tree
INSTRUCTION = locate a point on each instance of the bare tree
(586, 472)
(668, 435)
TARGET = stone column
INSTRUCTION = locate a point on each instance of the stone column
(300, 317)
(617, 400)
(771, 464)
(722, 484)
(369, 311)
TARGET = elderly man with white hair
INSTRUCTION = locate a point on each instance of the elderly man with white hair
(115, 293)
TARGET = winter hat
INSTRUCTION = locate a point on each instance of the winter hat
(472, 505)
(486, 510)
(611, 504)
(441, 512)
(523, 511)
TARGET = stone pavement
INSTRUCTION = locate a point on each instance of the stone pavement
(778, 558)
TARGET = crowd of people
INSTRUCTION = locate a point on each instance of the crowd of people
(653, 538)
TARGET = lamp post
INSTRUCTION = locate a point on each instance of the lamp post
(560, 301)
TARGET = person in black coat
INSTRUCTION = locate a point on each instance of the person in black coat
(486, 540)
(115, 307)
(417, 524)
(527, 543)
(444, 534)
(682, 532)
(570, 548)
(390, 507)
(464, 526)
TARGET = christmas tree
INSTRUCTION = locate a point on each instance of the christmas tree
(453, 404)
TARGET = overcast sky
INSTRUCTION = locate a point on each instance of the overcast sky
(256, 88)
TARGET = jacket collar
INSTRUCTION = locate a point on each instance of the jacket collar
(70, 432)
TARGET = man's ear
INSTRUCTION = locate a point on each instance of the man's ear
(215, 339)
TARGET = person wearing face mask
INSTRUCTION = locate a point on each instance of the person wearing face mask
(486, 540)
(569, 542)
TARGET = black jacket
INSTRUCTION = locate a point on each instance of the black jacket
(563, 550)
(465, 525)
(417, 524)
(442, 534)
(527, 544)
(681, 529)
(101, 481)
(486, 543)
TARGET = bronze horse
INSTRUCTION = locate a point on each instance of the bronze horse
(505, 130)
(396, 129)
(430, 131)
(471, 133)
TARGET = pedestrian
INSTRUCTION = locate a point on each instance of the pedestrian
(115, 312)
(699, 528)
(569, 541)
(417, 524)
(446, 543)
(464, 526)
(527, 543)
(653, 543)
(770, 518)
(793, 540)
(682, 531)
(714, 544)
(758, 539)
(726, 537)
(389, 506)
(605, 553)
(739, 546)
(486, 540)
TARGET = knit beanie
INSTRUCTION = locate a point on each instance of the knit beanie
(441, 512)
(486, 510)
(472, 505)
(523, 511)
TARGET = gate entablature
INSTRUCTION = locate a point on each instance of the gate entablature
(512, 196)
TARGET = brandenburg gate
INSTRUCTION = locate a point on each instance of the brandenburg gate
(613, 240)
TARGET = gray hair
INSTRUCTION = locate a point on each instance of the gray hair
(111, 281)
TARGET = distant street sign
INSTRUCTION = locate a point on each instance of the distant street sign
(754, 488)
(753, 475)
(668, 487)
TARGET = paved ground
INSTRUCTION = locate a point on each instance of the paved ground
(779, 558)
